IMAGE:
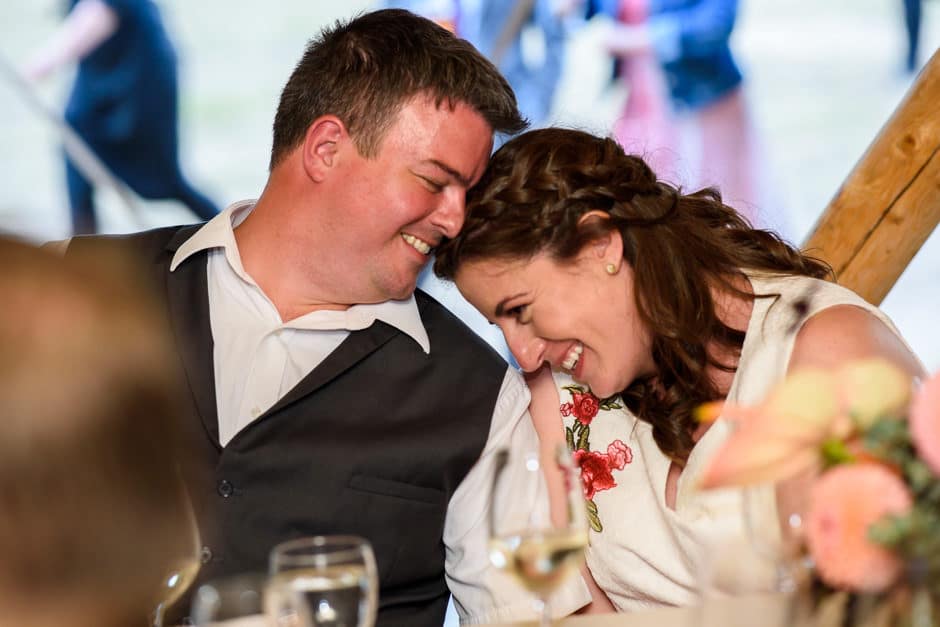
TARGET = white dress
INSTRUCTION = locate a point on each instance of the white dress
(642, 553)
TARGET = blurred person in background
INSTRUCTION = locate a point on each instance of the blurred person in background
(525, 39)
(913, 10)
(89, 493)
(123, 102)
(717, 143)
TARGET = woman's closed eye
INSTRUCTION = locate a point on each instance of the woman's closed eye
(518, 313)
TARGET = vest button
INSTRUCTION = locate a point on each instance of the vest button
(205, 555)
(225, 489)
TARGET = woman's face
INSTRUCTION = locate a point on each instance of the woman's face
(576, 316)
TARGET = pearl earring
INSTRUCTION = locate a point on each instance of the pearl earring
(611, 269)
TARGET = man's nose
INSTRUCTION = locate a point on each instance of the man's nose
(450, 213)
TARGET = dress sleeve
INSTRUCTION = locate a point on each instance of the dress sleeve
(481, 593)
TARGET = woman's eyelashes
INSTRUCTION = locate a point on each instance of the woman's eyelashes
(518, 313)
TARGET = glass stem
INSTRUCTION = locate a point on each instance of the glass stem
(158, 616)
(544, 610)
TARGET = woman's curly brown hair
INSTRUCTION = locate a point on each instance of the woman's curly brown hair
(680, 246)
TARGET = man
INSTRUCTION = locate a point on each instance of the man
(328, 395)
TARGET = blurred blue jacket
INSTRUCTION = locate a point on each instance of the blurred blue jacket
(691, 40)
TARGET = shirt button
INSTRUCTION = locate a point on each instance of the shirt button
(205, 555)
(255, 412)
(225, 489)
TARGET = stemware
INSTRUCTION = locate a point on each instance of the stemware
(247, 600)
(538, 551)
(333, 577)
(760, 561)
(184, 562)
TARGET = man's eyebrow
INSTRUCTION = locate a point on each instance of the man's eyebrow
(501, 305)
(463, 180)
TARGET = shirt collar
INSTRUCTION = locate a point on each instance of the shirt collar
(219, 233)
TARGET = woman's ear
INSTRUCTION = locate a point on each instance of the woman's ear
(606, 249)
(321, 145)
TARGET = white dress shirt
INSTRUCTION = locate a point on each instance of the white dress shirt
(258, 359)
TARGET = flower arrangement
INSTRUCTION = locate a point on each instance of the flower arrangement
(872, 526)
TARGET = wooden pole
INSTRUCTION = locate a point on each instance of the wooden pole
(890, 202)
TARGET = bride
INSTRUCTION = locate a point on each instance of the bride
(630, 303)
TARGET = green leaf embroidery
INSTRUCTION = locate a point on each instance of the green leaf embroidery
(593, 518)
(583, 443)
(569, 438)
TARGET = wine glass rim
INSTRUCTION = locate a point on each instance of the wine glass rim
(338, 547)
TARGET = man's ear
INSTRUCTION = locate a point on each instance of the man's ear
(606, 249)
(321, 145)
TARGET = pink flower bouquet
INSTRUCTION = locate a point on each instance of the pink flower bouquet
(872, 528)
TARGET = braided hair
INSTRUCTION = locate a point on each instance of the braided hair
(680, 246)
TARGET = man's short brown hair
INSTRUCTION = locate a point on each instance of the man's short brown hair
(363, 71)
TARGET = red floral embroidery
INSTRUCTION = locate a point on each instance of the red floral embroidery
(582, 406)
(596, 467)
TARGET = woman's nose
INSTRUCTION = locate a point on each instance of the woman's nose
(528, 349)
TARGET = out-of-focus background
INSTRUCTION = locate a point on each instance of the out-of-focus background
(821, 78)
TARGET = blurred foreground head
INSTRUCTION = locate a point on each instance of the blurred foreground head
(89, 491)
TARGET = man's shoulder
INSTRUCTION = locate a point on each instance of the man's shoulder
(145, 243)
(447, 330)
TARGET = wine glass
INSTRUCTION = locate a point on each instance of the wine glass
(247, 600)
(184, 562)
(539, 546)
(758, 561)
(334, 576)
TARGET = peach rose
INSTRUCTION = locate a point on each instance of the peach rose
(844, 503)
(925, 423)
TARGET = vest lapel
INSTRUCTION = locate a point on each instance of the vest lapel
(356, 347)
(188, 301)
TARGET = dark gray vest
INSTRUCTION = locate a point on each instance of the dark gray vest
(372, 442)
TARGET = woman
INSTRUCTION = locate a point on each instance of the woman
(609, 284)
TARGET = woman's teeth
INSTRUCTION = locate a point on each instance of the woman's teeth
(571, 359)
(420, 245)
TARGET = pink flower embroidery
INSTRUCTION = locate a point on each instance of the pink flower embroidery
(844, 503)
(619, 454)
(567, 409)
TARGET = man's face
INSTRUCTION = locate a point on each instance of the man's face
(389, 212)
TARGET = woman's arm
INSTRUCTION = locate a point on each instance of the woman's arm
(827, 340)
(551, 431)
(87, 26)
(844, 333)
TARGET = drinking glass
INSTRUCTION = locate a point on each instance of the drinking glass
(334, 576)
(247, 600)
(525, 541)
(760, 562)
(184, 565)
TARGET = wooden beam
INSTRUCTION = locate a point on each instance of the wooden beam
(890, 202)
